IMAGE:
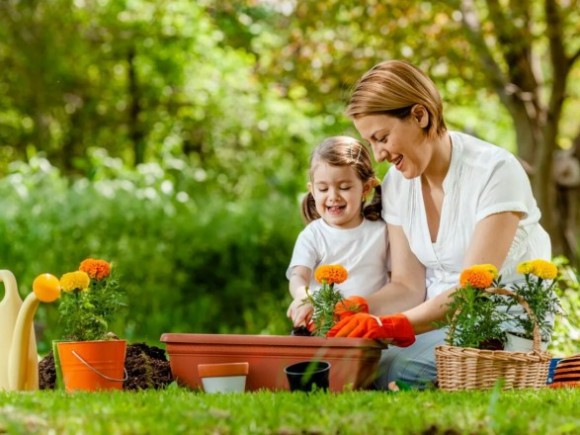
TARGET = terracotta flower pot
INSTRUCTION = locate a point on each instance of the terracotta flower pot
(354, 360)
(92, 365)
(223, 378)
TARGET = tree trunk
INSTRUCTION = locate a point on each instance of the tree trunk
(567, 178)
(519, 87)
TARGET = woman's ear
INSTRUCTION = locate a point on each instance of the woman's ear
(309, 185)
(421, 115)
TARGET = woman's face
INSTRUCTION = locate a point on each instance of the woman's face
(402, 142)
(338, 193)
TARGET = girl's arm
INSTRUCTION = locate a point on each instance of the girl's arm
(490, 244)
(299, 279)
(298, 311)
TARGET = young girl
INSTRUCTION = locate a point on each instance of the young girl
(343, 212)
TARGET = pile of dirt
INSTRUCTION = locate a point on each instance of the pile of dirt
(147, 367)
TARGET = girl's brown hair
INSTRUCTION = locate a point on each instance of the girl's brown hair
(393, 88)
(345, 151)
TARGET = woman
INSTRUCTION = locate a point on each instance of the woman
(450, 201)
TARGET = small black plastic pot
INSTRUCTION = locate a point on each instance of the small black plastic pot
(308, 375)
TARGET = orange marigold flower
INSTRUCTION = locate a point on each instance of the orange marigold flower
(544, 269)
(78, 280)
(331, 274)
(479, 276)
(96, 269)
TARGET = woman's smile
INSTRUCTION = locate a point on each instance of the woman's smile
(398, 162)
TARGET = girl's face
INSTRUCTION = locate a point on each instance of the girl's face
(401, 142)
(338, 194)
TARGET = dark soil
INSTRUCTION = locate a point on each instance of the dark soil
(147, 367)
(301, 331)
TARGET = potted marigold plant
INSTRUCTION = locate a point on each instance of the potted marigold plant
(473, 317)
(473, 358)
(326, 297)
(354, 361)
(540, 277)
(90, 299)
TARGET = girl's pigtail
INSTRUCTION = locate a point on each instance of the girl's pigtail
(372, 211)
(309, 212)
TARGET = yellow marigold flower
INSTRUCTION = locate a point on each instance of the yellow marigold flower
(71, 281)
(544, 269)
(331, 274)
(488, 268)
(96, 269)
(479, 276)
(525, 267)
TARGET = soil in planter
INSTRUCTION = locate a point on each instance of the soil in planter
(147, 367)
(491, 344)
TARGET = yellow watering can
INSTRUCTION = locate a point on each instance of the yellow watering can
(18, 354)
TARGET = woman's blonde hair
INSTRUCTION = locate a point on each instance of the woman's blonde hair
(345, 151)
(393, 88)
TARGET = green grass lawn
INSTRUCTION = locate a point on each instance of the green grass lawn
(178, 410)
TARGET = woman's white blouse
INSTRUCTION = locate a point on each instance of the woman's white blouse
(482, 180)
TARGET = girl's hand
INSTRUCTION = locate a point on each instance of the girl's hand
(300, 312)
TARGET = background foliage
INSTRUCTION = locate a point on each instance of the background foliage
(172, 137)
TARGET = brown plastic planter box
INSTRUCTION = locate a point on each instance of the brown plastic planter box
(353, 360)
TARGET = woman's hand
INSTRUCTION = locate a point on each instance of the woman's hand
(349, 306)
(396, 328)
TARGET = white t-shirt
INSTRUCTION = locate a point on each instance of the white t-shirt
(483, 179)
(362, 251)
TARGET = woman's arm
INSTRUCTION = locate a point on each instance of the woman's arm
(491, 242)
(407, 287)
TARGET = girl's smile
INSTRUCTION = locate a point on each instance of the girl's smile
(338, 194)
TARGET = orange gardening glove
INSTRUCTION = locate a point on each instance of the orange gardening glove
(355, 325)
(396, 328)
(349, 306)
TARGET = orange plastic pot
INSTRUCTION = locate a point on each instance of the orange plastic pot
(92, 365)
(354, 360)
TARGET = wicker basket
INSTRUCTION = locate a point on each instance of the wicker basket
(464, 368)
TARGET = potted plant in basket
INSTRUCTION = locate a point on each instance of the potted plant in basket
(90, 299)
(473, 316)
(473, 357)
(540, 277)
